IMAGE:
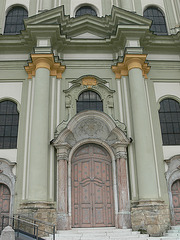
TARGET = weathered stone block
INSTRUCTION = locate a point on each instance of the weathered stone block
(151, 217)
(8, 233)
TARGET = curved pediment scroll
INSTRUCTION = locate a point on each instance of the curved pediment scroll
(91, 125)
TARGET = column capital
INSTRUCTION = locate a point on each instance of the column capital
(63, 151)
(131, 61)
(120, 155)
(44, 61)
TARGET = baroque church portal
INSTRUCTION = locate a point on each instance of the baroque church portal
(90, 113)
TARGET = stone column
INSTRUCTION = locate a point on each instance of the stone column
(127, 5)
(63, 218)
(142, 129)
(150, 209)
(38, 179)
(124, 219)
(42, 67)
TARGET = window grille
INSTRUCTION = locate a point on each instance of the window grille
(158, 20)
(14, 20)
(169, 115)
(9, 119)
(89, 100)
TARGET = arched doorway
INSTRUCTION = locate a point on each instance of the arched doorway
(4, 203)
(175, 189)
(92, 187)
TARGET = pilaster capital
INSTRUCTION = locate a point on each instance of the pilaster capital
(63, 151)
(44, 61)
(120, 155)
(131, 61)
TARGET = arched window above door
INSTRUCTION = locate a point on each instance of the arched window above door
(89, 100)
(169, 115)
(15, 20)
(85, 10)
(9, 120)
(158, 20)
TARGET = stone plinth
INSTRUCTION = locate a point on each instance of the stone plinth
(8, 233)
(42, 211)
(150, 217)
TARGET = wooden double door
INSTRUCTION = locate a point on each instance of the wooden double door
(4, 203)
(92, 188)
(175, 189)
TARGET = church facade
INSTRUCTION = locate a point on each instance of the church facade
(90, 112)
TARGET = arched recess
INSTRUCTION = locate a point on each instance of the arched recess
(92, 127)
(7, 178)
(172, 176)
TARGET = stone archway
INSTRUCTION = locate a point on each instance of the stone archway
(173, 184)
(92, 127)
(92, 187)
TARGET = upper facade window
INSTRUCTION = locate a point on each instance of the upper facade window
(9, 119)
(14, 20)
(169, 115)
(158, 20)
(89, 100)
(85, 10)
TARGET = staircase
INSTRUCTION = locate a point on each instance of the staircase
(112, 233)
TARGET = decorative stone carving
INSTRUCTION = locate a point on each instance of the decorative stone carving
(91, 128)
(89, 81)
(68, 101)
(95, 83)
(90, 124)
(172, 174)
(120, 155)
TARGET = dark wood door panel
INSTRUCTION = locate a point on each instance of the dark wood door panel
(92, 194)
(4, 203)
(175, 189)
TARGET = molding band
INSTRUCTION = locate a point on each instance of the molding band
(44, 61)
(131, 61)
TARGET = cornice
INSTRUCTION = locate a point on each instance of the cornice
(111, 31)
(44, 61)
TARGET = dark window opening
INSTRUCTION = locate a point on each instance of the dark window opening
(9, 119)
(85, 10)
(158, 20)
(89, 100)
(169, 115)
(15, 20)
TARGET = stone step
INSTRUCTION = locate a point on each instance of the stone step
(175, 227)
(172, 234)
(112, 233)
(174, 231)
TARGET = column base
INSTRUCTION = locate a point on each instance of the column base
(150, 216)
(123, 220)
(63, 221)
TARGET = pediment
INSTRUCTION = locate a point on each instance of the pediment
(89, 27)
(90, 125)
(89, 82)
(87, 35)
